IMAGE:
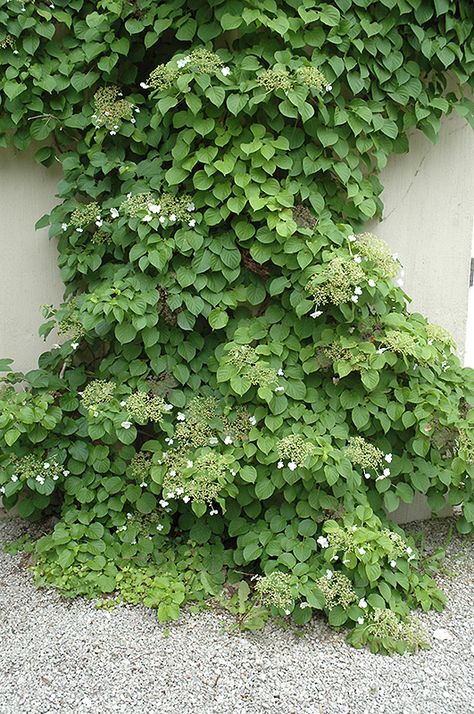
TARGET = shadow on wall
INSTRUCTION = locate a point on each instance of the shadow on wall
(29, 276)
(428, 218)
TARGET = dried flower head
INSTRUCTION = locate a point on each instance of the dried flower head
(466, 445)
(8, 43)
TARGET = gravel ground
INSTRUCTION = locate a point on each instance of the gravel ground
(70, 658)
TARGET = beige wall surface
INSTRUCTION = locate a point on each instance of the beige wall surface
(428, 217)
(29, 276)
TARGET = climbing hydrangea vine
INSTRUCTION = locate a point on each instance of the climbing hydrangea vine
(239, 398)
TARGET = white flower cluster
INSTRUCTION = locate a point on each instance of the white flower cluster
(386, 471)
(169, 209)
(29, 467)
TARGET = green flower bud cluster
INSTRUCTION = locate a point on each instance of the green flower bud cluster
(295, 448)
(162, 77)
(201, 479)
(143, 406)
(361, 452)
(401, 342)
(340, 540)
(336, 588)
(262, 375)
(238, 427)
(110, 109)
(203, 408)
(70, 324)
(168, 206)
(399, 546)
(245, 358)
(84, 215)
(98, 392)
(8, 43)
(139, 467)
(101, 236)
(178, 206)
(144, 524)
(242, 356)
(136, 206)
(335, 352)
(386, 624)
(203, 61)
(195, 430)
(335, 282)
(312, 77)
(272, 79)
(275, 589)
(36, 468)
(466, 445)
(200, 61)
(378, 252)
(436, 333)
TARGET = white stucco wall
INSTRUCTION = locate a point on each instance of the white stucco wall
(428, 218)
(29, 276)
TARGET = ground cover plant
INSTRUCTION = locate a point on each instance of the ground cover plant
(239, 397)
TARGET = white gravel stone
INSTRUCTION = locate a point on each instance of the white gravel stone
(66, 657)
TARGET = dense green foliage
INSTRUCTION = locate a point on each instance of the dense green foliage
(239, 387)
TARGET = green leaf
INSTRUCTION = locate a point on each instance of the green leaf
(468, 511)
(373, 571)
(13, 89)
(230, 22)
(146, 503)
(125, 332)
(133, 26)
(391, 501)
(420, 481)
(11, 436)
(218, 319)
(236, 102)
(360, 417)
(216, 95)
(441, 6)
(370, 379)
(264, 489)
(329, 15)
